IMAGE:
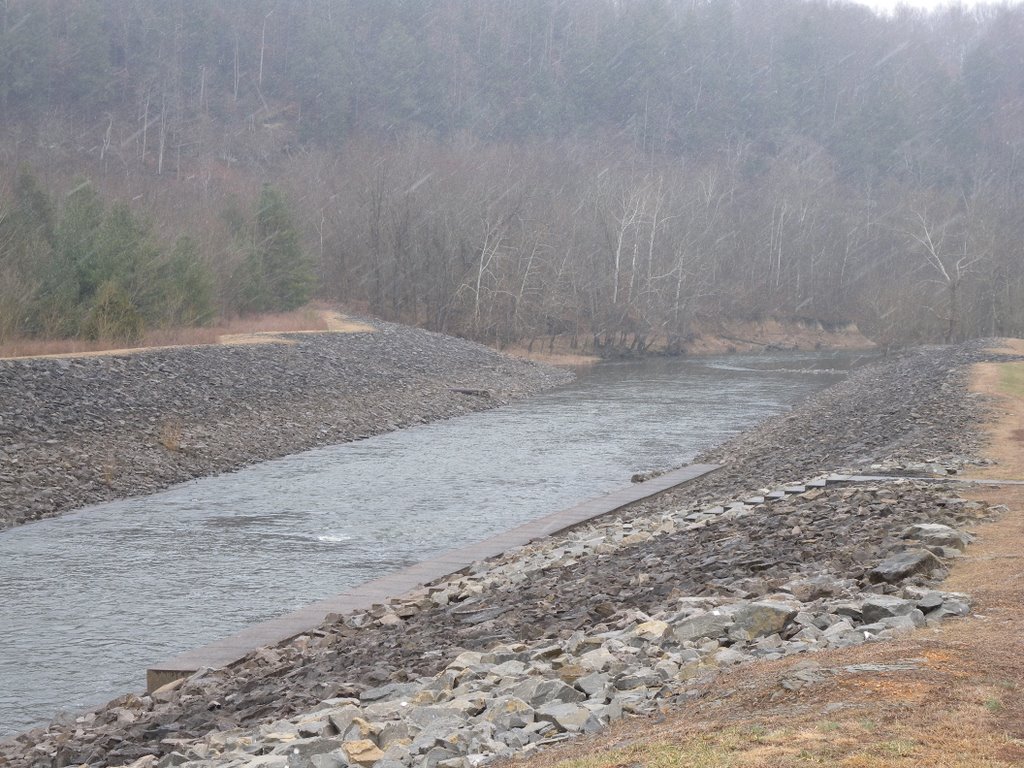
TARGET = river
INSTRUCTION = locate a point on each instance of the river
(89, 600)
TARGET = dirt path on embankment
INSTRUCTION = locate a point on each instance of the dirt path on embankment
(76, 430)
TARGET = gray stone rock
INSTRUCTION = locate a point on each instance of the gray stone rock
(319, 727)
(396, 733)
(929, 601)
(360, 729)
(388, 692)
(955, 607)
(435, 715)
(760, 618)
(845, 638)
(666, 669)
(593, 684)
(606, 713)
(337, 759)
(467, 705)
(878, 607)
(466, 659)
(642, 677)
(713, 624)
(539, 692)
(511, 668)
(850, 609)
(807, 634)
(727, 657)
(908, 621)
(509, 712)
(571, 718)
(306, 748)
(597, 660)
(838, 628)
(813, 587)
(171, 759)
(936, 535)
(342, 717)
(898, 567)
(430, 737)
(436, 756)
(519, 738)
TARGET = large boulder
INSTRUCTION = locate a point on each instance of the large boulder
(539, 692)
(597, 660)
(935, 535)
(652, 630)
(878, 607)
(761, 618)
(712, 624)
(898, 567)
(571, 718)
(509, 712)
(808, 588)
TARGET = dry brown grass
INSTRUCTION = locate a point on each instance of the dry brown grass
(1010, 346)
(710, 339)
(170, 435)
(252, 329)
(263, 337)
(563, 359)
(339, 323)
(961, 706)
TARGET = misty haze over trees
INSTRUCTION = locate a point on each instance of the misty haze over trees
(615, 170)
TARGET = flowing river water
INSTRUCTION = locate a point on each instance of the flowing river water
(89, 600)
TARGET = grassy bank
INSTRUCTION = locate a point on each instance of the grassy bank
(1012, 379)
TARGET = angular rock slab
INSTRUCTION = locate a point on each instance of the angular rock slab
(760, 619)
(936, 535)
(894, 569)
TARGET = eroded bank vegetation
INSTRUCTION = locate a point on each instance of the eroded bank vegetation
(611, 173)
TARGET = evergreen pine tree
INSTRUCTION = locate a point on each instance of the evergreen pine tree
(276, 275)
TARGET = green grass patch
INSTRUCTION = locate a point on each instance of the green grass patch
(1011, 379)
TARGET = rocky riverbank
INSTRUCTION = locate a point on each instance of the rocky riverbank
(623, 615)
(81, 430)
(667, 625)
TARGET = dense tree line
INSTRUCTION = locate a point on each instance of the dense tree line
(611, 169)
(96, 271)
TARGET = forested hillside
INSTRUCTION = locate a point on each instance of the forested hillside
(613, 170)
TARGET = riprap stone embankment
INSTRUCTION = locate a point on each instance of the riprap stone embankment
(618, 616)
(81, 430)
